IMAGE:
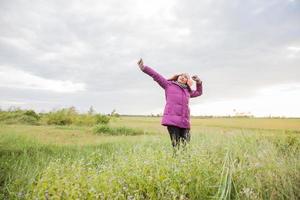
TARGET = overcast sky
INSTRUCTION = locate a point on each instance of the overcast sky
(56, 54)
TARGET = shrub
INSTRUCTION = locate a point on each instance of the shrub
(19, 117)
(85, 119)
(25, 119)
(32, 114)
(60, 117)
(102, 119)
(104, 129)
(69, 116)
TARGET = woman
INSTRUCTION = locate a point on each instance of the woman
(176, 113)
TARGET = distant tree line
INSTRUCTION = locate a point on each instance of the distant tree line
(64, 116)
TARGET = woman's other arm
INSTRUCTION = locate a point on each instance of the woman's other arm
(198, 91)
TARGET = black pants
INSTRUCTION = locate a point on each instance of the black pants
(179, 135)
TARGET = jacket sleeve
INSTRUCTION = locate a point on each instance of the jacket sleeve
(156, 76)
(198, 91)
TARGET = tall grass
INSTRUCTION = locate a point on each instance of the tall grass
(122, 130)
(214, 166)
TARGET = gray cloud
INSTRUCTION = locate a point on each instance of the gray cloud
(235, 47)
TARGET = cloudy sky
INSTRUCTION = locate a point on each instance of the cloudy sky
(61, 53)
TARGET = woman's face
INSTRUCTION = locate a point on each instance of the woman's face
(183, 78)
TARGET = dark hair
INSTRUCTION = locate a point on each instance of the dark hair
(175, 78)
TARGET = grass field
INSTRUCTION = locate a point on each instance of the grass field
(228, 158)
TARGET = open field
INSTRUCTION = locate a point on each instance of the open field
(228, 158)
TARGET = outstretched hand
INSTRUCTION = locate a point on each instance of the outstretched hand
(196, 78)
(141, 64)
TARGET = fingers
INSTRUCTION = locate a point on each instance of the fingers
(196, 78)
(140, 62)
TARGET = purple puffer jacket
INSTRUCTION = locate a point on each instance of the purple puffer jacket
(177, 111)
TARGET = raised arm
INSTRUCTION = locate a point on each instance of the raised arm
(198, 91)
(151, 72)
